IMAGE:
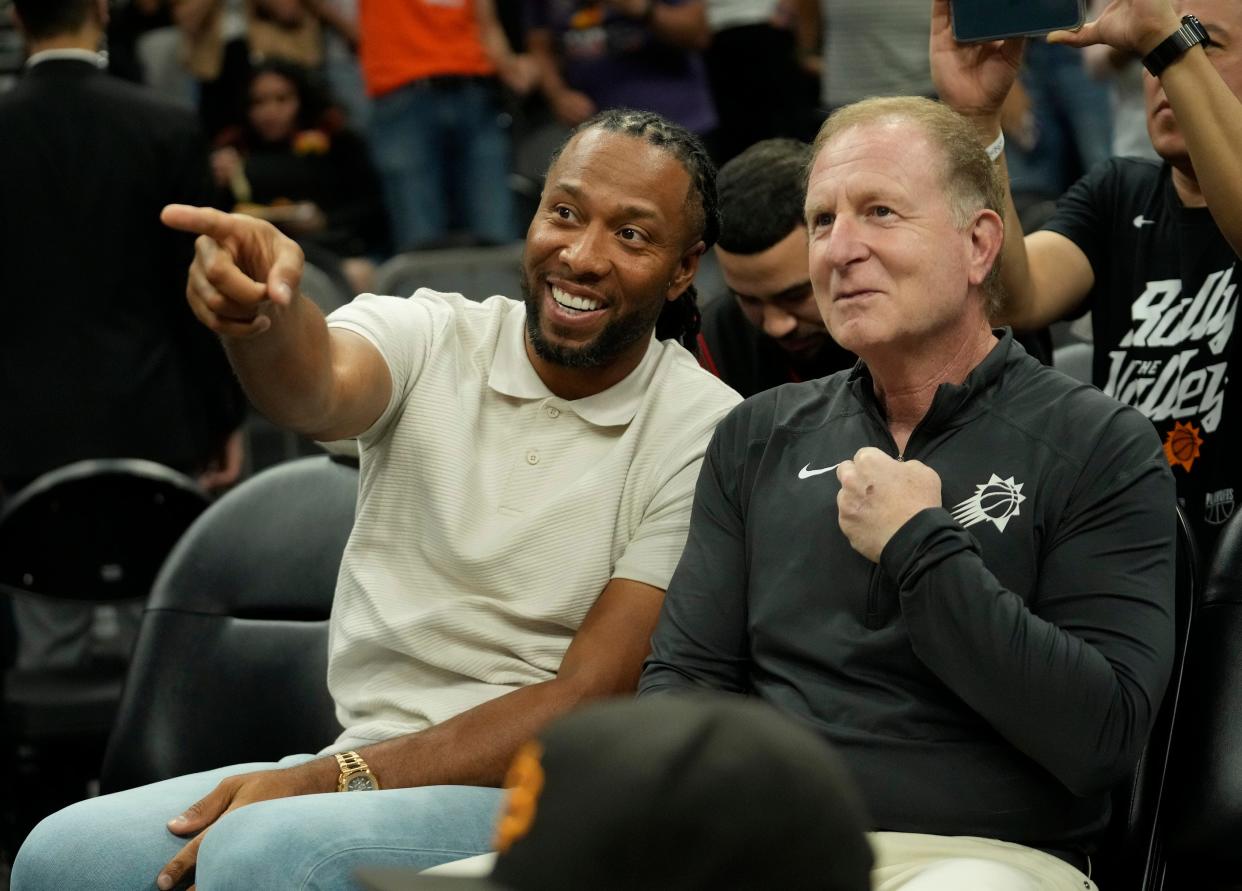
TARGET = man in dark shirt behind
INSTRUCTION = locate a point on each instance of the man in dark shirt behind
(99, 355)
(953, 562)
(767, 330)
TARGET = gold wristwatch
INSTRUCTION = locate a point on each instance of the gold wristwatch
(355, 775)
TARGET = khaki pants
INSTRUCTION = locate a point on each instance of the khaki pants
(914, 862)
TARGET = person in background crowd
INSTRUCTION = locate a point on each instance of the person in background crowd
(221, 38)
(768, 329)
(1150, 249)
(953, 562)
(295, 165)
(433, 69)
(623, 54)
(758, 86)
(98, 356)
(878, 48)
(527, 472)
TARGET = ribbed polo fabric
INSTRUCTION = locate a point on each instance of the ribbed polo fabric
(492, 514)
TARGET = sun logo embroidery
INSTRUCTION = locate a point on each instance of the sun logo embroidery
(996, 500)
(1182, 444)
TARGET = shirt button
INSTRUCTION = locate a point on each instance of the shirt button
(532, 458)
(553, 411)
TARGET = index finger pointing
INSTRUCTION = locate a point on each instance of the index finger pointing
(199, 220)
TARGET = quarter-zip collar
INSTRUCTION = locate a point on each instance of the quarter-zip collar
(953, 404)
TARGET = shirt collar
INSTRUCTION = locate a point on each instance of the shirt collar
(99, 60)
(952, 402)
(513, 375)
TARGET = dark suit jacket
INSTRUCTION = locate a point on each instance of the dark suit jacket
(100, 355)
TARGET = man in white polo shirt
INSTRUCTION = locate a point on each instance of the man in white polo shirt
(527, 474)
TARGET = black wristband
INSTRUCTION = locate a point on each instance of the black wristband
(1190, 34)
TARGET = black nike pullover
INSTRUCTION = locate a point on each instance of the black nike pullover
(1000, 668)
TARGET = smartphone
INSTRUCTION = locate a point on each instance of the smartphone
(978, 20)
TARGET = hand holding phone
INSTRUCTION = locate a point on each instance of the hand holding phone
(1136, 26)
(972, 78)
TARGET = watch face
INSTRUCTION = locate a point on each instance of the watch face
(360, 783)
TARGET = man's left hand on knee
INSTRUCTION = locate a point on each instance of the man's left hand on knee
(314, 776)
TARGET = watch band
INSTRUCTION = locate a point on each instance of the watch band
(351, 763)
(1191, 33)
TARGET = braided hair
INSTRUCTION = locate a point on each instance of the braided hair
(679, 319)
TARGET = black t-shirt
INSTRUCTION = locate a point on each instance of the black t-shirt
(1163, 311)
(749, 361)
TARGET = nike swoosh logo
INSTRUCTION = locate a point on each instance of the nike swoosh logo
(806, 473)
(1140, 222)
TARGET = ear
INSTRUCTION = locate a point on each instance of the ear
(687, 267)
(987, 236)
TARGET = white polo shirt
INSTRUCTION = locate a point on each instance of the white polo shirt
(492, 513)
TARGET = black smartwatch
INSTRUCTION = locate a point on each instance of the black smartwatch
(1191, 33)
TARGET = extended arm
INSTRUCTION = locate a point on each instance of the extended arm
(243, 285)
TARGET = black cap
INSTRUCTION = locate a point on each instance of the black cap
(673, 792)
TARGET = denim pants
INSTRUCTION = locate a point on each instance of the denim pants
(119, 842)
(442, 150)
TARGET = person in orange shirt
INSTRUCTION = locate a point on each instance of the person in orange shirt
(433, 69)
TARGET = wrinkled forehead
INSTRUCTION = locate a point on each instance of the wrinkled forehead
(892, 152)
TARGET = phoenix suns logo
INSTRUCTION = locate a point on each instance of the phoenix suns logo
(996, 501)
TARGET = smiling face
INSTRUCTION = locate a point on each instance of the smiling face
(773, 289)
(891, 268)
(1223, 21)
(609, 245)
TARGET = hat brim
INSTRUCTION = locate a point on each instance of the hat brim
(408, 879)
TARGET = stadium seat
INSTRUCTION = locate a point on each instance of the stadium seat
(231, 660)
(326, 293)
(1074, 359)
(90, 533)
(474, 272)
(1202, 819)
(1131, 856)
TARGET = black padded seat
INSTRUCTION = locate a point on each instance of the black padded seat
(231, 660)
(1131, 857)
(1203, 817)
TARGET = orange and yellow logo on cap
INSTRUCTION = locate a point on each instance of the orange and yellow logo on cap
(524, 782)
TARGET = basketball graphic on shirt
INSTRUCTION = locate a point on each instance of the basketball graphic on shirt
(996, 501)
(1181, 446)
(1218, 506)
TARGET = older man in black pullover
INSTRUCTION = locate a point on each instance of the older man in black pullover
(953, 562)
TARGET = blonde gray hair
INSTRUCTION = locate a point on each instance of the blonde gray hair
(971, 179)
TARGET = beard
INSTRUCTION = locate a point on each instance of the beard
(618, 335)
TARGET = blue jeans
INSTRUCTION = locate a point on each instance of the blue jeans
(441, 144)
(1073, 116)
(307, 842)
